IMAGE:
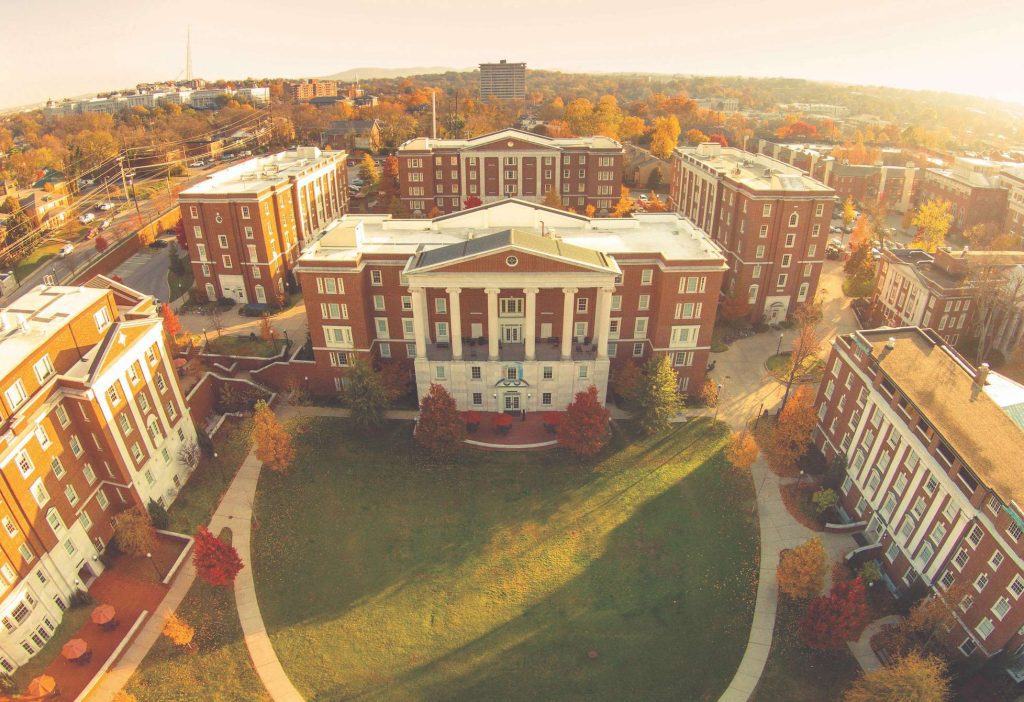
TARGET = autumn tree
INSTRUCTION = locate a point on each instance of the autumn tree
(793, 429)
(172, 325)
(932, 221)
(267, 332)
(368, 172)
(831, 621)
(590, 210)
(665, 136)
(631, 129)
(805, 346)
(999, 296)
(625, 381)
(625, 205)
(735, 306)
(849, 212)
(801, 571)
(471, 202)
(133, 532)
(178, 631)
(365, 396)
(584, 428)
(101, 243)
(657, 397)
(655, 203)
(742, 451)
(273, 442)
(914, 677)
(989, 236)
(695, 136)
(216, 561)
(862, 232)
(708, 393)
(440, 428)
(718, 139)
(552, 199)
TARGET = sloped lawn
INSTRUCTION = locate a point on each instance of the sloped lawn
(506, 575)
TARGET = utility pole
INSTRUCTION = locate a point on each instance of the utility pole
(433, 114)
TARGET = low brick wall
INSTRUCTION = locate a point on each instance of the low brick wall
(202, 399)
(851, 528)
(242, 363)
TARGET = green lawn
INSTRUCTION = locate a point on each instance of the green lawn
(232, 345)
(796, 673)
(219, 670)
(69, 625)
(200, 496)
(506, 575)
(39, 257)
(179, 284)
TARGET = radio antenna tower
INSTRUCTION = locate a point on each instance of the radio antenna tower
(188, 54)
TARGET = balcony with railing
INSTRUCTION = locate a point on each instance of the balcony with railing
(475, 350)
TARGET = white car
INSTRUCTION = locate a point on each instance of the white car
(105, 206)
(66, 249)
(87, 217)
(105, 224)
(197, 164)
(642, 197)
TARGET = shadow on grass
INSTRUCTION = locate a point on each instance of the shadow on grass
(494, 577)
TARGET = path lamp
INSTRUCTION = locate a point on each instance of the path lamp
(205, 336)
(778, 348)
(718, 400)
(156, 570)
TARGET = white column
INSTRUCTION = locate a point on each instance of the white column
(602, 319)
(455, 332)
(419, 314)
(531, 323)
(492, 323)
(568, 310)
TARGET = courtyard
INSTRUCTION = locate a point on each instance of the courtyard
(506, 575)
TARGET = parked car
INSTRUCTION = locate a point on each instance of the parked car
(158, 244)
(84, 182)
(835, 229)
(105, 224)
(247, 153)
(833, 253)
(105, 206)
(87, 217)
(642, 197)
(66, 249)
(92, 234)
(357, 181)
(197, 164)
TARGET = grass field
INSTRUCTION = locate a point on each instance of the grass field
(219, 670)
(231, 345)
(506, 575)
(45, 253)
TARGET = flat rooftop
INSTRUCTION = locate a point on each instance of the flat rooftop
(427, 144)
(35, 317)
(941, 385)
(260, 172)
(755, 171)
(666, 234)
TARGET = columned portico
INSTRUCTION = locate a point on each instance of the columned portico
(419, 320)
(603, 320)
(492, 323)
(456, 321)
(568, 307)
(531, 323)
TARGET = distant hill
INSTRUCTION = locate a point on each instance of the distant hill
(371, 73)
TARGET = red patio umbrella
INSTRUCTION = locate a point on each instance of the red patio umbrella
(103, 614)
(74, 649)
(180, 362)
(41, 686)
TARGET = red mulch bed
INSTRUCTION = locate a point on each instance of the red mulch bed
(797, 498)
(131, 585)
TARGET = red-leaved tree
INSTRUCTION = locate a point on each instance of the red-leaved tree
(101, 244)
(471, 202)
(584, 429)
(833, 620)
(172, 325)
(216, 561)
(179, 235)
(440, 428)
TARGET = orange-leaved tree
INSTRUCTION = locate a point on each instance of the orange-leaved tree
(584, 429)
(178, 631)
(273, 442)
(915, 676)
(172, 325)
(440, 428)
(553, 199)
(792, 433)
(804, 349)
(625, 205)
(801, 571)
(742, 451)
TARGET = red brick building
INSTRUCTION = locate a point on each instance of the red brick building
(443, 173)
(305, 90)
(93, 421)
(511, 305)
(245, 224)
(771, 219)
(1014, 223)
(940, 291)
(929, 442)
(972, 187)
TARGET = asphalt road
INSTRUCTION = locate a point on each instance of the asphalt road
(146, 272)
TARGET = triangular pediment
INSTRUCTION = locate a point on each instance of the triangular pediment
(513, 139)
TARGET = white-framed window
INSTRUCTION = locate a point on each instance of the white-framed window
(16, 394)
(643, 302)
(794, 219)
(440, 305)
(439, 373)
(26, 553)
(638, 349)
(76, 446)
(39, 493)
(136, 451)
(378, 303)
(381, 327)
(781, 282)
(226, 260)
(819, 209)
(376, 277)
(684, 336)
(790, 241)
(581, 372)
(510, 307)
(682, 358)
(89, 473)
(801, 294)
(752, 292)
(9, 528)
(582, 304)
(385, 350)
(101, 499)
(646, 276)
(640, 328)
(441, 331)
(338, 337)
(985, 628)
(762, 231)
(43, 368)
(759, 251)
(787, 259)
(766, 210)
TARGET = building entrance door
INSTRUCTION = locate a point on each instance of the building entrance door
(512, 401)
(511, 333)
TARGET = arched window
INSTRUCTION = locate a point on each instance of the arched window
(261, 295)
(211, 293)
(793, 219)
(752, 293)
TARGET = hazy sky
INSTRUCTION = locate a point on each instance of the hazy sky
(67, 47)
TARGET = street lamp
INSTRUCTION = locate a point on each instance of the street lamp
(718, 400)
(155, 569)
(778, 348)
(205, 336)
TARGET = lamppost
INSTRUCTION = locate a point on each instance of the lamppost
(778, 348)
(718, 400)
(205, 336)
(155, 569)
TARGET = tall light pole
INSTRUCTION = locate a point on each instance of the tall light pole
(778, 349)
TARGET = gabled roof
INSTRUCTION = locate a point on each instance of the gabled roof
(120, 335)
(546, 247)
(511, 201)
